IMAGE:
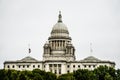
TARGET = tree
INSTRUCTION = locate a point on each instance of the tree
(50, 76)
(39, 72)
(22, 76)
(68, 76)
(104, 72)
(14, 75)
(2, 74)
(84, 74)
(118, 74)
(108, 77)
(112, 73)
(37, 77)
(100, 73)
(44, 75)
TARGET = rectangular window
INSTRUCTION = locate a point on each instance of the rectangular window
(50, 65)
(93, 65)
(55, 65)
(33, 66)
(8, 66)
(68, 66)
(38, 66)
(78, 66)
(73, 66)
(27, 66)
(44, 66)
(85, 66)
(68, 71)
(59, 71)
(89, 66)
(13, 66)
(59, 65)
(55, 71)
(50, 70)
(19, 66)
(23, 66)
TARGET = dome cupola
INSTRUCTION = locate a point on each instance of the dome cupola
(59, 46)
(59, 30)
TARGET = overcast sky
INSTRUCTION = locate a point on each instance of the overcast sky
(24, 22)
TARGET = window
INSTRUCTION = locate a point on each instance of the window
(93, 65)
(68, 71)
(78, 66)
(85, 66)
(38, 66)
(68, 66)
(50, 70)
(55, 71)
(44, 66)
(59, 65)
(8, 66)
(59, 71)
(33, 66)
(73, 70)
(50, 65)
(73, 66)
(19, 66)
(89, 66)
(55, 65)
(13, 66)
(27, 66)
(23, 66)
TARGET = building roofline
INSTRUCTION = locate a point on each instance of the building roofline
(92, 62)
(59, 61)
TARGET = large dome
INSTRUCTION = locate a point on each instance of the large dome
(59, 30)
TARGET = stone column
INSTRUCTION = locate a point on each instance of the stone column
(63, 68)
(53, 68)
(63, 44)
(57, 69)
(47, 68)
(50, 43)
(53, 44)
(57, 44)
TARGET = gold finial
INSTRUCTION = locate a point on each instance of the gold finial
(60, 17)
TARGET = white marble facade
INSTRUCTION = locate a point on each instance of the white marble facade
(58, 56)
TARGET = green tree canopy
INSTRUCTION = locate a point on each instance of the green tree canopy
(68, 76)
(100, 73)
(84, 74)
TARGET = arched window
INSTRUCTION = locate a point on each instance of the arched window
(8, 66)
(13, 66)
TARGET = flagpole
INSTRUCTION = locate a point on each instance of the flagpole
(91, 51)
(29, 50)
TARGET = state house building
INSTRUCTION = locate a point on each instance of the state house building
(58, 55)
